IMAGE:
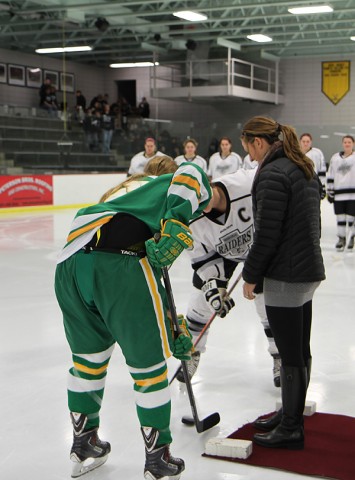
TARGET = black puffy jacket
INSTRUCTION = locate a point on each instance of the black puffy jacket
(287, 224)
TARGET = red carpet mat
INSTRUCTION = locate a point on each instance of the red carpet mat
(329, 449)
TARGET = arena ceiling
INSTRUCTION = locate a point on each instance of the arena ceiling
(128, 30)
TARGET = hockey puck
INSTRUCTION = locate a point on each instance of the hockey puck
(188, 421)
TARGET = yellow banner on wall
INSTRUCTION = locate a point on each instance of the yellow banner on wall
(335, 80)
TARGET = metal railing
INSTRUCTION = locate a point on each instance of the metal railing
(215, 72)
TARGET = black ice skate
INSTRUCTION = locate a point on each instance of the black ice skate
(340, 245)
(159, 463)
(191, 366)
(88, 451)
(351, 243)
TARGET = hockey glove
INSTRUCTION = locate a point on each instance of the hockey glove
(183, 345)
(174, 238)
(216, 295)
(323, 193)
(330, 197)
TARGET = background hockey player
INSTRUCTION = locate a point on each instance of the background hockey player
(317, 157)
(222, 238)
(108, 285)
(140, 160)
(224, 161)
(341, 191)
(190, 154)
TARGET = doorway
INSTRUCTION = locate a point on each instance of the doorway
(128, 90)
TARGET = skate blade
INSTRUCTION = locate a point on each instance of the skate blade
(80, 468)
(150, 476)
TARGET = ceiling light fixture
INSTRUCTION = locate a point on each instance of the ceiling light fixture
(83, 48)
(314, 9)
(133, 64)
(352, 38)
(190, 16)
(259, 37)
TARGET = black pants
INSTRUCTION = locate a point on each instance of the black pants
(291, 328)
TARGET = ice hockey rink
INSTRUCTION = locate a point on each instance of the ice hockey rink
(234, 377)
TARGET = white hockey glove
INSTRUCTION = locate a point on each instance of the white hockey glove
(215, 291)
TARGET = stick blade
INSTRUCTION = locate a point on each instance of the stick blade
(208, 422)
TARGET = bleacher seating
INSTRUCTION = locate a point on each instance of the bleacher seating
(33, 143)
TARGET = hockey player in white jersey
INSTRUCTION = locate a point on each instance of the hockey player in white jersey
(248, 163)
(190, 155)
(140, 160)
(224, 161)
(222, 236)
(317, 157)
(341, 191)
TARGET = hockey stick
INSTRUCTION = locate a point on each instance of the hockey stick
(214, 418)
(207, 326)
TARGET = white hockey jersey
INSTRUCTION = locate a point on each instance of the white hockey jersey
(139, 161)
(341, 177)
(228, 236)
(318, 160)
(218, 166)
(248, 163)
(201, 162)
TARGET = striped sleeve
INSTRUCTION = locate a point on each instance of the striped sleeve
(189, 193)
(81, 232)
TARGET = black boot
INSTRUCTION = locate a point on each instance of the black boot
(289, 433)
(269, 423)
(308, 370)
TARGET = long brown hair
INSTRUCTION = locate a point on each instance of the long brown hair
(270, 130)
(158, 165)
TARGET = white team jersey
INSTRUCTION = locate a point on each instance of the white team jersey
(139, 161)
(341, 177)
(248, 163)
(218, 166)
(229, 235)
(201, 162)
(318, 160)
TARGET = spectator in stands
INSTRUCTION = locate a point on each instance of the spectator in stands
(190, 155)
(125, 110)
(140, 160)
(144, 108)
(43, 89)
(92, 128)
(115, 111)
(224, 161)
(213, 147)
(97, 103)
(49, 102)
(107, 128)
(80, 106)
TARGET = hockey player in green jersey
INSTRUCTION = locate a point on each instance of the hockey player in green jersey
(108, 286)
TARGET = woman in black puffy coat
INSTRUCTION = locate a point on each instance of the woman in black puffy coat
(286, 255)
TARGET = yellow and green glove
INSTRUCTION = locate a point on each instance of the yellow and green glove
(174, 238)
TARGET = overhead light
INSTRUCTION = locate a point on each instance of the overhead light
(133, 64)
(313, 9)
(352, 38)
(83, 48)
(259, 37)
(190, 16)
